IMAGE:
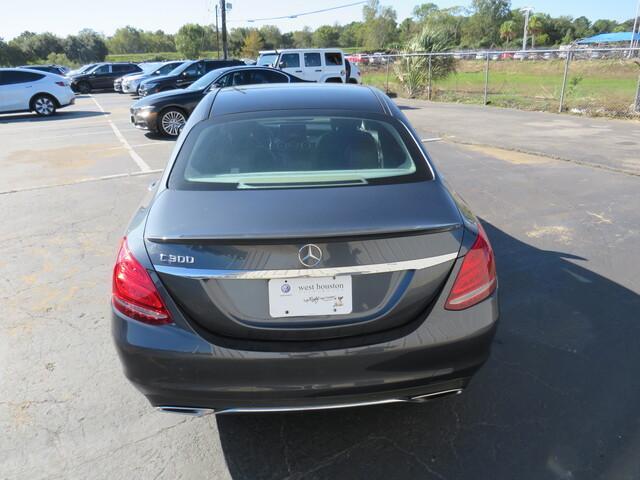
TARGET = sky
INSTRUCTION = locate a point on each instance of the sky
(63, 17)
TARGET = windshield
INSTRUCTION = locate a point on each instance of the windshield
(180, 68)
(206, 80)
(267, 59)
(168, 68)
(296, 151)
(149, 67)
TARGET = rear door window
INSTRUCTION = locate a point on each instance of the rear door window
(312, 59)
(10, 78)
(332, 59)
(265, 76)
(290, 60)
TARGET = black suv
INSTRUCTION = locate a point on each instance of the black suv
(184, 75)
(102, 76)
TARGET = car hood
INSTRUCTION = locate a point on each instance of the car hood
(138, 76)
(169, 94)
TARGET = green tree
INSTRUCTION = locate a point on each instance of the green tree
(413, 72)
(483, 27)
(190, 39)
(10, 55)
(127, 40)
(326, 36)
(423, 11)
(253, 43)
(302, 38)
(86, 47)
(236, 38)
(582, 27)
(271, 36)
(351, 35)
(380, 28)
(508, 31)
(536, 27)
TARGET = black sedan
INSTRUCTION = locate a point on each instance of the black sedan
(167, 112)
(301, 251)
(183, 75)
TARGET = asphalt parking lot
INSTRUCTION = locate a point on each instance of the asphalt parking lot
(558, 399)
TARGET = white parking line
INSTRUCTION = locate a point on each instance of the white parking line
(82, 180)
(429, 140)
(144, 167)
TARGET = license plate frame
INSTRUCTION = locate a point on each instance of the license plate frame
(307, 297)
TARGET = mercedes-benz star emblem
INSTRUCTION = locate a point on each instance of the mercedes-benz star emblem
(310, 255)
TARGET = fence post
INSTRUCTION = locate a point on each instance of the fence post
(636, 105)
(430, 80)
(486, 79)
(564, 80)
(387, 82)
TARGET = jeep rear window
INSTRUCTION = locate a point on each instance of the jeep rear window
(275, 151)
(332, 58)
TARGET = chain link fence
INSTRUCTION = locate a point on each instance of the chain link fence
(596, 82)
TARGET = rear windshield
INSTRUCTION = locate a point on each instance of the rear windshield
(297, 151)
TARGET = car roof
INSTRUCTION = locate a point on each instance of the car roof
(297, 96)
(39, 72)
(310, 49)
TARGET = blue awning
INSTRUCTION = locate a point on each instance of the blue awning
(617, 37)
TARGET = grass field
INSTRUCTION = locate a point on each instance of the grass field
(595, 87)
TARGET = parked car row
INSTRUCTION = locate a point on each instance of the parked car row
(168, 100)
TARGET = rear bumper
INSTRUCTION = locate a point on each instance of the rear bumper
(173, 366)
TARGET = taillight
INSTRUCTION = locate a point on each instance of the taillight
(133, 291)
(476, 279)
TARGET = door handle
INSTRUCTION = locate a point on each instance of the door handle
(319, 70)
(298, 71)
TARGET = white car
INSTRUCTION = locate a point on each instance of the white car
(314, 64)
(131, 82)
(23, 90)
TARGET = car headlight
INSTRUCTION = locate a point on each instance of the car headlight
(145, 111)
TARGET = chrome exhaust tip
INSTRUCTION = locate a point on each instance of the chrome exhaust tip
(434, 395)
(191, 411)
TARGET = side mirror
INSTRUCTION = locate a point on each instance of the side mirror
(282, 65)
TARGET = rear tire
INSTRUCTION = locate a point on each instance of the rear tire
(44, 105)
(171, 121)
(84, 87)
(334, 80)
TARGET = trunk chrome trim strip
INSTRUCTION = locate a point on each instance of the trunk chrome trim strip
(207, 274)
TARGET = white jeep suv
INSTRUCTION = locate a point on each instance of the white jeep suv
(314, 64)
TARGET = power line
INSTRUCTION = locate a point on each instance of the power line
(296, 15)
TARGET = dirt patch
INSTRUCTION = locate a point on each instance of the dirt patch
(511, 156)
(72, 157)
(555, 232)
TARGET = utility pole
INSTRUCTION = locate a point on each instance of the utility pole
(633, 32)
(527, 11)
(217, 34)
(223, 17)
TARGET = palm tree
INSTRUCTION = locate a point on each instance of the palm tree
(535, 27)
(508, 31)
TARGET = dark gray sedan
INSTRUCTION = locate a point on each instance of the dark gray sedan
(301, 252)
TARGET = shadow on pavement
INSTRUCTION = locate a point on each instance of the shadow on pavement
(558, 398)
(59, 115)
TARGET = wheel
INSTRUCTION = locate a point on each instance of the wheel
(43, 105)
(171, 122)
(84, 87)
